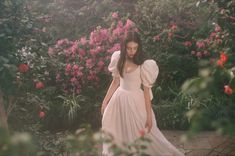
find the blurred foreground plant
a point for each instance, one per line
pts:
(18, 144)
(85, 142)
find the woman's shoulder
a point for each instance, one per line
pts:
(149, 66)
(116, 54)
(113, 63)
(149, 62)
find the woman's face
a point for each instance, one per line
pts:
(131, 49)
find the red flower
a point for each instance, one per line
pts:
(100, 64)
(39, 85)
(228, 90)
(73, 80)
(173, 26)
(217, 37)
(115, 15)
(217, 28)
(23, 68)
(220, 63)
(41, 114)
(212, 35)
(206, 53)
(187, 44)
(219, 41)
(142, 132)
(170, 35)
(157, 38)
(199, 54)
(200, 44)
(223, 57)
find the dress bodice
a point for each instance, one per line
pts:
(145, 74)
(131, 80)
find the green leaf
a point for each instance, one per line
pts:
(2, 35)
(189, 84)
(7, 3)
(3, 59)
(29, 25)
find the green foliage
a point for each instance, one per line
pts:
(212, 106)
(69, 111)
(72, 104)
(28, 28)
(73, 19)
(170, 114)
(175, 62)
(18, 34)
(84, 142)
(9, 34)
(18, 144)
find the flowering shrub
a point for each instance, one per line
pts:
(192, 45)
(17, 33)
(216, 76)
(91, 13)
(85, 60)
(216, 50)
(70, 72)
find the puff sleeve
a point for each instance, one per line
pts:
(148, 73)
(112, 67)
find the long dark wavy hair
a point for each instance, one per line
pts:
(139, 56)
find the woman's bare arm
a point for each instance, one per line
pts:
(148, 107)
(148, 104)
(112, 88)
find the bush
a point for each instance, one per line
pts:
(213, 86)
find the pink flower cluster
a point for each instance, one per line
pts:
(204, 46)
(115, 15)
(86, 60)
(187, 44)
(213, 43)
(170, 32)
(120, 29)
(201, 48)
(98, 36)
(200, 54)
(210, 48)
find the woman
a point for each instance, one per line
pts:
(126, 107)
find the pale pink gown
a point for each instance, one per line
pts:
(125, 114)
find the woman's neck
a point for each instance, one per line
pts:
(129, 60)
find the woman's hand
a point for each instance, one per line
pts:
(103, 106)
(148, 123)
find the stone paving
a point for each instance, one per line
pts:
(203, 144)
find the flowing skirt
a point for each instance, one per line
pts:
(124, 118)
